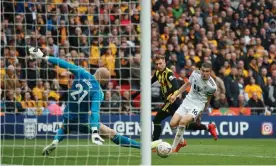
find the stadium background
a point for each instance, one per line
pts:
(238, 37)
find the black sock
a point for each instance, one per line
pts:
(156, 132)
(195, 126)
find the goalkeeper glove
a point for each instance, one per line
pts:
(96, 138)
(36, 53)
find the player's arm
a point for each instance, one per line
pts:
(171, 78)
(180, 91)
(173, 81)
(66, 65)
(208, 102)
(182, 88)
(209, 97)
(57, 61)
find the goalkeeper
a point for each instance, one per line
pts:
(85, 95)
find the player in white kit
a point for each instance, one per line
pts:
(202, 89)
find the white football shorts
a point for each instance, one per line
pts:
(188, 108)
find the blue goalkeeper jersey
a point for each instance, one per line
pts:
(84, 96)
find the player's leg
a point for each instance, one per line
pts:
(122, 140)
(212, 128)
(175, 120)
(162, 114)
(61, 133)
(174, 125)
(107, 132)
(192, 126)
(58, 138)
(173, 108)
(186, 119)
(198, 126)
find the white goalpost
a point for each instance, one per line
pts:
(146, 82)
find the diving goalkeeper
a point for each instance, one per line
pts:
(82, 110)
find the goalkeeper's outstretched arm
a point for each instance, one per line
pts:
(76, 70)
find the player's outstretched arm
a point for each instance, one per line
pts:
(36, 52)
(180, 91)
(183, 88)
(66, 65)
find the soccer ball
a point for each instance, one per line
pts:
(164, 149)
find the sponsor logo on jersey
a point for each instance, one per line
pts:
(30, 128)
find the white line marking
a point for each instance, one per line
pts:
(225, 155)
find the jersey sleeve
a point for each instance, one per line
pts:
(213, 87)
(211, 91)
(171, 78)
(76, 70)
(96, 100)
(192, 77)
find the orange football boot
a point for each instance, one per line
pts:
(179, 146)
(213, 131)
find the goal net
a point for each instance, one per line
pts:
(34, 93)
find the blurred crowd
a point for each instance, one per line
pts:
(237, 37)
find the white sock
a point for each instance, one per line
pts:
(178, 136)
(174, 130)
(55, 142)
(181, 139)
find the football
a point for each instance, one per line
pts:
(164, 149)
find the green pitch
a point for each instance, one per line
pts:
(198, 152)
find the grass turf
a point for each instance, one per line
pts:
(198, 152)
